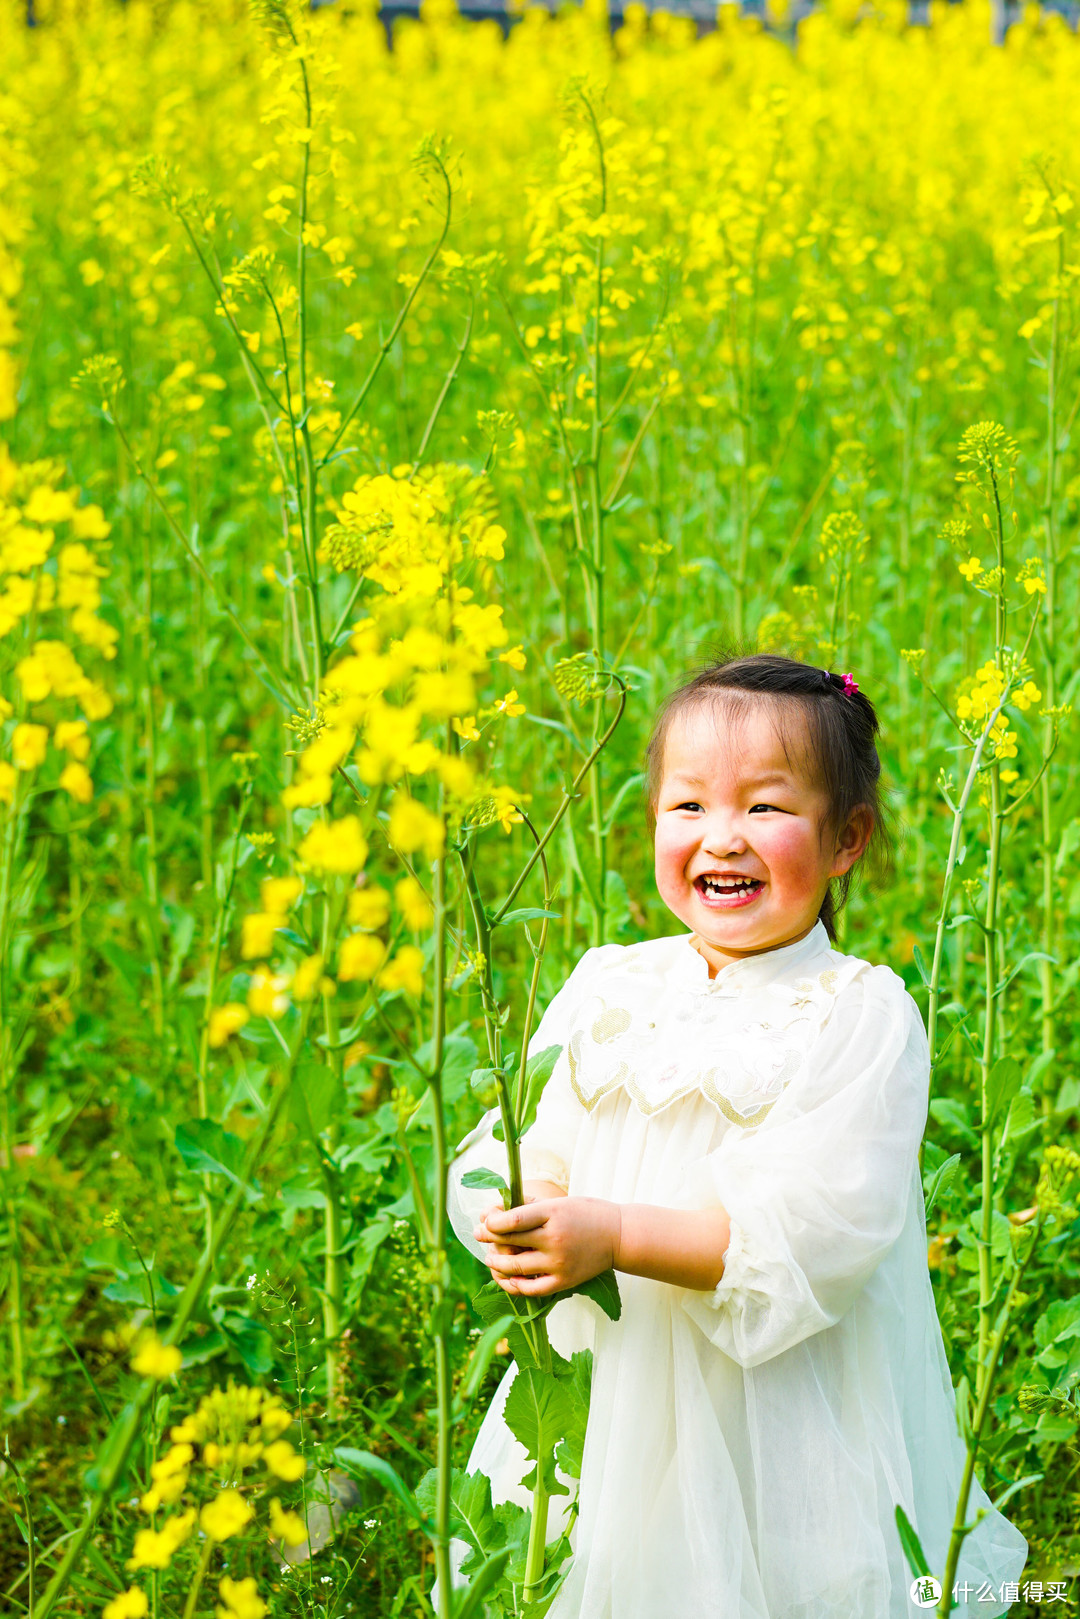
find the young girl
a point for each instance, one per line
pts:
(734, 1124)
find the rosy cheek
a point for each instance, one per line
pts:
(793, 856)
(671, 854)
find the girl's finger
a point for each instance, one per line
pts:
(526, 1286)
(530, 1263)
(507, 1221)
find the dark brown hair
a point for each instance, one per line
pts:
(841, 727)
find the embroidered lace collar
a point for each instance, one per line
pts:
(653, 1024)
(759, 969)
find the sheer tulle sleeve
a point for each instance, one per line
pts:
(818, 1193)
(547, 1148)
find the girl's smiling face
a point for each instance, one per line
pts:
(744, 845)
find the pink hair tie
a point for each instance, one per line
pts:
(850, 685)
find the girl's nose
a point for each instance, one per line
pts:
(722, 838)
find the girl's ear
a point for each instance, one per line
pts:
(852, 839)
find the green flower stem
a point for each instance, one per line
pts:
(534, 1558)
(440, 1317)
(961, 1528)
(991, 953)
(200, 1575)
(950, 872)
(14, 826)
(1047, 989)
(569, 795)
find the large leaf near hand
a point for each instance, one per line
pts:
(578, 1385)
(541, 1410)
(491, 1303)
(603, 1290)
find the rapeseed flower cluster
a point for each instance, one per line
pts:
(402, 707)
(978, 697)
(233, 1446)
(49, 597)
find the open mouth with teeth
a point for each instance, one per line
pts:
(725, 893)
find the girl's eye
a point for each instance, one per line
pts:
(755, 807)
(689, 805)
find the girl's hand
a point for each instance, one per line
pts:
(550, 1244)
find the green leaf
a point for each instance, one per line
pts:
(362, 1461)
(135, 1289)
(540, 1411)
(486, 1576)
(955, 1116)
(963, 1413)
(1014, 1487)
(478, 1179)
(472, 1516)
(1001, 1086)
(116, 1440)
(458, 1062)
(482, 1083)
(481, 1357)
(510, 1531)
(569, 1453)
(314, 1099)
(938, 1183)
(528, 913)
(537, 1073)
(1060, 1321)
(909, 1540)
(1022, 1119)
(604, 1291)
(921, 966)
(1037, 1069)
(208, 1149)
(491, 1305)
(250, 1341)
(363, 1254)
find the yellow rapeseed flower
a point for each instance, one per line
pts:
(154, 1359)
(240, 1599)
(361, 955)
(225, 1021)
(257, 933)
(71, 736)
(335, 846)
(413, 904)
(509, 705)
(267, 995)
(307, 978)
(28, 745)
(405, 971)
(413, 827)
(77, 780)
(286, 1526)
(155, 1548)
(283, 1461)
(130, 1604)
(369, 907)
(226, 1515)
(280, 894)
(7, 782)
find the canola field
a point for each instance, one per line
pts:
(382, 433)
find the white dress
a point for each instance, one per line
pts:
(746, 1448)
